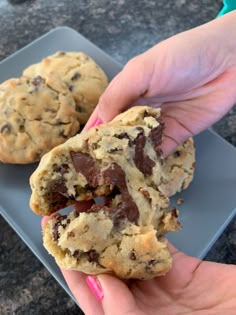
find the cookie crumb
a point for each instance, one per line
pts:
(180, 201)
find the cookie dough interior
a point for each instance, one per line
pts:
(122, 161)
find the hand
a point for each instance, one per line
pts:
(191, 287)
(192, 76)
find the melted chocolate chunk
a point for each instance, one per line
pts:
(85, 164)
(152, 262)
(142, 161)
(57, 200)
(6, 128)
(60, 188)
(58, 195)
(115, 177)
(156, 136)
(76, 76)
(38, 80)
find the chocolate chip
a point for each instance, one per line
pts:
(22, 128)
(59, 218)
(142, 161)
(77, 253)
(86, 165)
(114, 150)
(76, 76)
(61, 53)
(153, 262)
(146, 114)
(55, 233)
(71, 88)
(175, 212)
(159, 154)
(62, 169)
(180, 201)
(124, 135)
(127, 208)
(132, 255)
(156, 136)
(177, 154)
(79, 108)
(93, 255)
(38, 155)
(145, 194)
(71, 234)
(38, 80)
(6, 128)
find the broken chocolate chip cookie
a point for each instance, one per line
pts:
(34, 118)
(77, 72)
(120, 161)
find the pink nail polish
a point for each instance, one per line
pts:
(95, 287)
(97, 122)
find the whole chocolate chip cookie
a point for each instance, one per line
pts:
(74, 71)
(34, 118)
(121, 160)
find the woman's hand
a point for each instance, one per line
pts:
(192, 287)
(192, 76)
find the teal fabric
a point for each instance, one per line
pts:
(229, 5)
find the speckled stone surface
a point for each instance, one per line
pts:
(123, 29)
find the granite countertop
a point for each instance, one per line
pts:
(122, 29)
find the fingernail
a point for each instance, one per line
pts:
(97, 122)
(95, 287)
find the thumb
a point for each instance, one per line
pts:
(115, 296)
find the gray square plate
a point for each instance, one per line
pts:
(209, 202)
